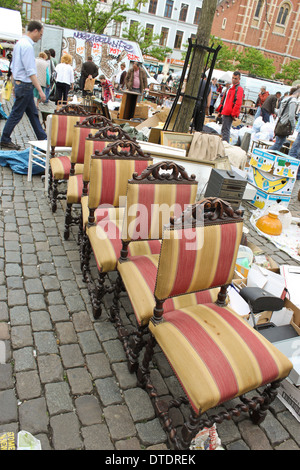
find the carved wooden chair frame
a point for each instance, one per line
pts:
(210, 211)
(126, 150)
(107, 132)
(134, 340)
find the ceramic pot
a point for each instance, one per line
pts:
(270, 224)
(285, 218)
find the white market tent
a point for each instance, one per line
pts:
(10, 25)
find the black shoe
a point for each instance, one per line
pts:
(10, 146)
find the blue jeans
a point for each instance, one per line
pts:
(280, 139)
(24, 103)
(258, 113)
(265, 115)
(295, 151)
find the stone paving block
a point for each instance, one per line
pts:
(253, 436)
(109, 391)
(58, 313)
(66, 333)
(97, 437)
(19, 315)
(80, 381)
(119, 422)
(71, 355)
(33, 416)
(50, 368)
(36, 302)
(58, 398)
(274, 430)
(139, 404)
(151, 432)
(24, 359)
(6, 377)
(82, 321)
(66, 432)
(8, 406)
(41, 321)
(45, 342)
(89, 342)
(28, 385)
(21, 336)
(98, 365)
(89, 410)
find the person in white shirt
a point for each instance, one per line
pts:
(64, 78)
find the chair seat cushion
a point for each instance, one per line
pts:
(74, 192)
(216, 355)
(106, 243)
(103, 211)
(139, 278)
(61, 166)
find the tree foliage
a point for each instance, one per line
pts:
(148, 42)
(253, 62)
(88, 15)
(290, 72)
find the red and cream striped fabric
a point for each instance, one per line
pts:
(139, 278)
(74, 191)
(109, 179)
(61, 166)
(62, 129)
(105, 240)
(216, 355)
(195, 259)
(150, 206)
(78, 143)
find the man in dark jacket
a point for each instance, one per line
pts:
(89, 70)
(269, 106)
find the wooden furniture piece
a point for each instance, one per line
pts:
(215, 354)
(128, 104)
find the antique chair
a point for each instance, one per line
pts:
(109, 174)
(99, 132)
(62, 131)
(215, 354)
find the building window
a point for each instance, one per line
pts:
(283, 14)
(116, 28)
(258, 9)
(178, 39)
(46, 8)
(197, 15)
(224, 23)
(164, 36)
(152, 7)
(168, 8)
(26, 9)
(149, 31)
(183, 12)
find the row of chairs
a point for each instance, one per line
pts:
(174, 257)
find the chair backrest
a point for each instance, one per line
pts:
(62, 129)
(110, 171)
(108, 133)
(161, 191)
(199, 249)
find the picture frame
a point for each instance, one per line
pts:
(177, 140)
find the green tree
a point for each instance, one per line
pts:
(226, 57)
(255, 63)
(148, 42)
(86, 15)
(290, 72)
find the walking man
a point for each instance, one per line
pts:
(136, 79)
(230, 106)
(25, 79)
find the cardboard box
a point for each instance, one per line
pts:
(270, 183)
(262, 199)
(141, 111)
(272, 161)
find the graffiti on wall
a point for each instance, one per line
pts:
(107, 52)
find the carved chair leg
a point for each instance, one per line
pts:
(86, 254)
(68, 221)
(115, 308)
(54, 196)
(80, 231)
(135, 345)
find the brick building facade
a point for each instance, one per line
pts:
(273, 27)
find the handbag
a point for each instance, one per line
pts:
(7, 90)
(283, 130)
(89, 84)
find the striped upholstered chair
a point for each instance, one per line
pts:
(109, 173)
(99, 134)
(62, 132)
(215, 354)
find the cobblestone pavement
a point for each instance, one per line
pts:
(65, 379)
